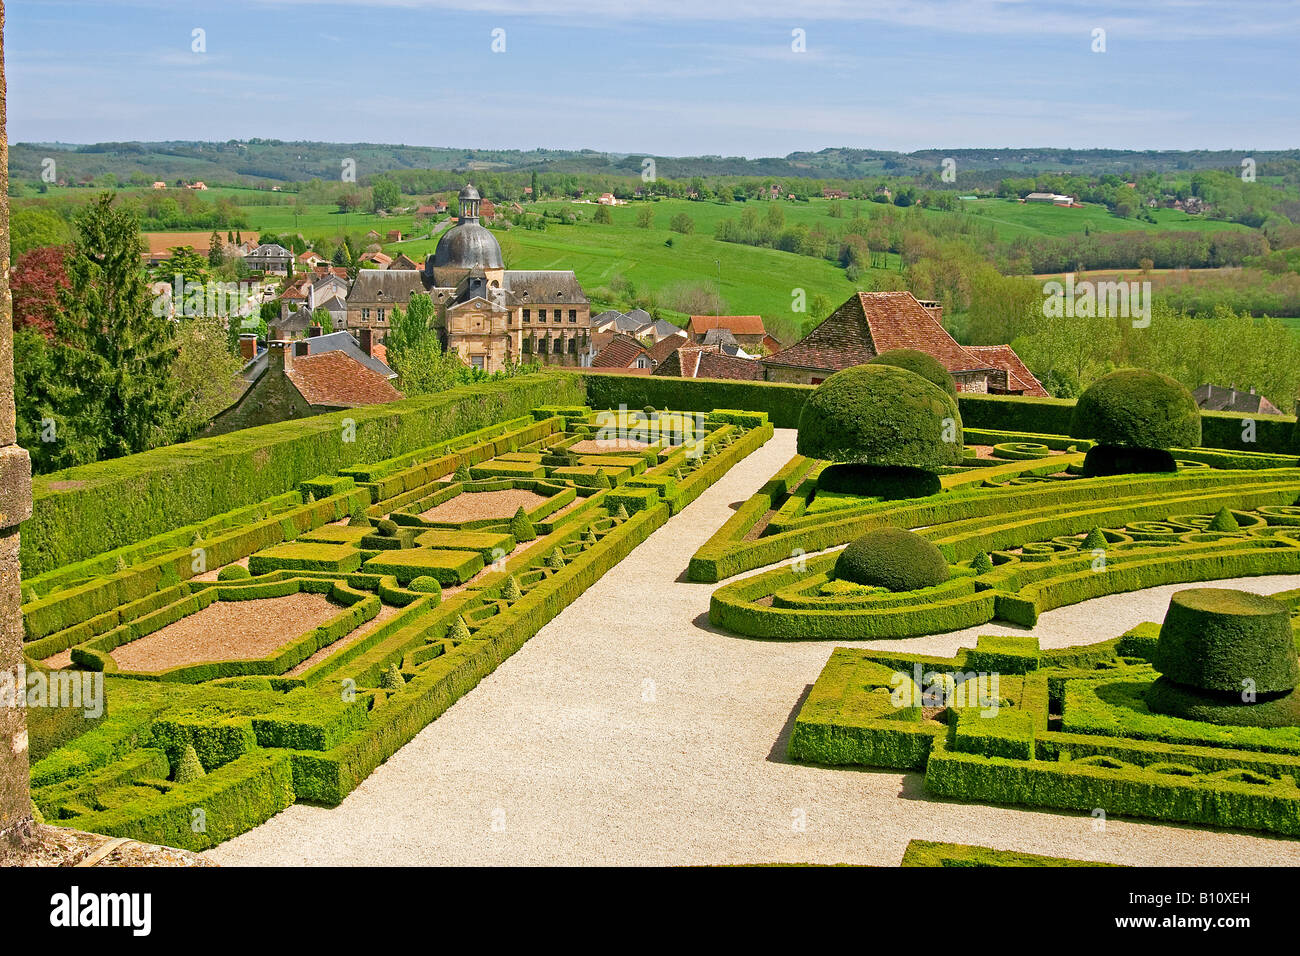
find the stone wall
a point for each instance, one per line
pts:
(15, 506)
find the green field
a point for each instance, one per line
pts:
(1012, 219)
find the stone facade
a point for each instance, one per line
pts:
(15, 507)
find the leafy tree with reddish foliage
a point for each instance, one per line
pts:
(35, 281)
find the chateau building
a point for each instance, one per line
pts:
(493, 316)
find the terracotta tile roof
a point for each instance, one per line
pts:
(337, 380)
(736, 324)
(698, 361)
(621, 352)
(1018, 375)
(666, 347)
(870, 323)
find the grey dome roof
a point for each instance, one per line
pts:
(469, 192)
(467, 245)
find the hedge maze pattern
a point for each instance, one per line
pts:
(432, 573)
(1023, 533)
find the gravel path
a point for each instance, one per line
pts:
(627, 732)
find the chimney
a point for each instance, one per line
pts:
(314, 331)
(279, 356)
(248, 347)
(366, 341)
(301, 348)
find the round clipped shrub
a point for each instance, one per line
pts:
(189, 768)
(425, 585)
(922, 363)
(387, 527)
(1136, 408)
(892, 558)
(981, 563)
(233, 572)
(884, 416)
(1214, 639)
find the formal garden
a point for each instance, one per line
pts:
(277, 612)
(894, 521)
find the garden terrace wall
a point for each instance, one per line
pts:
(92, 508)
(783, 404)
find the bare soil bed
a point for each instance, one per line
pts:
(600, 446)
(478, 505)
(347, 640)
(227, 631)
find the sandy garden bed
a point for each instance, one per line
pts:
(478, 505)
(227, 631)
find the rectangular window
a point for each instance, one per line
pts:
(528, 346)
(573, 315)
(365, 315)
(476, 361)
(528, 315)
(381, 315)
(573, 346)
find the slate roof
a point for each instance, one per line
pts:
(337, 380)
(331, 342)
(870, 323)
(1018, 375)
(736, 324)
(1216, 398)
(385, 285)
(548, 287)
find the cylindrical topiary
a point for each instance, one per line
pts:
(1219, 640)
(884, 416)
(892, 558)
(922, 363)
(1137, 408)
(233, 572)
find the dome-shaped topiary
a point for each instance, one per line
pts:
(922, 363)
(233, 572)
(892, 558)
(425, 584)
(521, 527)
(189, 768)
(981, 563)
(1137, 408)
(1213, 639)
(387, 527)
(884, 416)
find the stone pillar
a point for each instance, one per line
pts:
(15, 506)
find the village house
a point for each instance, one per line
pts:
(374, 295)
(748, 330)
(623, 354)
(870, 323)
(708, 361)
(1216, 398)
(270, 257)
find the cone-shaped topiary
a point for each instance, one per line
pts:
(883, 416)
(620, 512)
(233, 572)
(311, 497)
(119, 564)
(462, 472)
(1223, 521)
(922, 363)
(511, 593)
(521, 527)
(556, 560)
(602, 480)
(892, 558)
(981, 563)
(1093, 541)
(189, 768)
(678, 473)
(1136, 408)
(392, 679)
(387, 527)
(459, 629)
(589, 538)
(425, 584)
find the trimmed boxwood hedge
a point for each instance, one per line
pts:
(1137, 408)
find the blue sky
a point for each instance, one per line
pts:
(672, 77)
